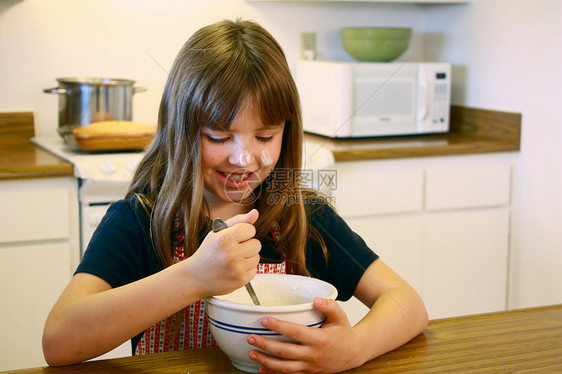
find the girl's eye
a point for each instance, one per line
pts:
(264, 139)
(217, 140)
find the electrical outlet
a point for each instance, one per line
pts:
(308, 45)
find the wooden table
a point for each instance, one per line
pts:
(518, 341)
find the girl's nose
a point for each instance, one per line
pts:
(241, 157)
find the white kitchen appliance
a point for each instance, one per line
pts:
(102, 179)
(373, 99)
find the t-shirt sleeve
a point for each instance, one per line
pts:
(348, 254)
(119, 249)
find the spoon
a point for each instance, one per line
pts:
(218, 225)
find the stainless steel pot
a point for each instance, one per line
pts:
(86, 100)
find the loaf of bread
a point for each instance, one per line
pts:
(113, 135)
(111, 129)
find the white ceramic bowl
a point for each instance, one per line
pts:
(290, 298)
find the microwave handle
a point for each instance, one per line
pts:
(423, 94)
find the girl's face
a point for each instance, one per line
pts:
(237, 161)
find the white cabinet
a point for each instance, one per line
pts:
(32, 277)
(442, 223)
(33, 211)
(38, 240)
(398, 239)
(467, 186)
(360, 192)
(465, 261)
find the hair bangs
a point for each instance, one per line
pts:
(222, 102)
(275, 107)
(230, 93)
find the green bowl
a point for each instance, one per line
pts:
(380, 44)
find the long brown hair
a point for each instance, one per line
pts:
(214, 74)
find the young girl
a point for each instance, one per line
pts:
(229, 139)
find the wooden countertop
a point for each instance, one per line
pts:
(522, 341)
(472, 131)
(19, 158)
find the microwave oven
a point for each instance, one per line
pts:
(372, 99)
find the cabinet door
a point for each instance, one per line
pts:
(363, 191)
(461, 187)
(398, 240)
(32, 276)
(465, 261)
(36, 209)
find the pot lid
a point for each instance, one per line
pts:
(96, 81)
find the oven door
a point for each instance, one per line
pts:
(95, 198)
(91, 215)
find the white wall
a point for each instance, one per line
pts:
(506, 56)
(138, 39)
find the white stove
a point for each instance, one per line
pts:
(106, 167)
(102, 179)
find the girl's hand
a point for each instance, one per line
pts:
(227, 260)
(329, 349)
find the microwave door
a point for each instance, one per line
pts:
(385, 106)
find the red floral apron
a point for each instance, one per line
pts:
(194, 329)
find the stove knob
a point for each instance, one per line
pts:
(132, 165)
(107, 167)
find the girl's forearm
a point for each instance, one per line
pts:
(396, 317)
(81, 327)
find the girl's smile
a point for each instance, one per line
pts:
(238, 179)
(237, 160)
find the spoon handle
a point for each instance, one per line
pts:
(218, 225)
(252, 293)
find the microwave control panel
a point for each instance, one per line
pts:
(441, 97)
(436, 79)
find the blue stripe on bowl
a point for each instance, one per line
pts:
(216, 322)
(244, 332)
(250, 330)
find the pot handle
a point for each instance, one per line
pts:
(55, 90)
(138, 89)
